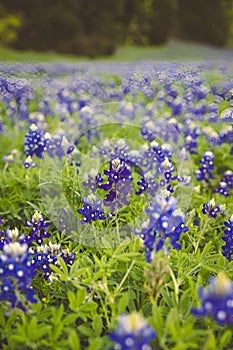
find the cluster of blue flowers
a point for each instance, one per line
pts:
(204, 173)
(226, 184)
(37, 143)
(151, 163)
(92, 209)
(165, 222)
(22, 256)
(217, 300)
(16, 270)
(132, 333)
(227, 249)
(213, 210)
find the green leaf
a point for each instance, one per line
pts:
(72, 300)
(69, 319)
(97, 325)
(90, 306)
(225, 338)
(157, 321)
(81, 296)
(2, 320)
(95, 344)
(123, 303)
(86, 330)
(73, 340)
(63, 265)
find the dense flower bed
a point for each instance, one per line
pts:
(116, 206)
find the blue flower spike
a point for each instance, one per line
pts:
(133, 333)
(227, 249)
(217, 300)
(213, 210)
(16, 272)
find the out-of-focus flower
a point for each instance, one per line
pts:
(16, 272)
(165, 222)
(226, 184)
(133, 333)
(205, 171)
(217, 300)
(28, 163)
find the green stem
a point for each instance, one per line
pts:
(125, 276)
(196, 245)
(116, 219)
(176, 284)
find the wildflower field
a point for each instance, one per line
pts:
(116, 208)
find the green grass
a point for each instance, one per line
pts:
(172, 51)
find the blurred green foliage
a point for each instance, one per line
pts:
(93, 28)
(9, 25)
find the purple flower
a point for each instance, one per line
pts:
(28, 163)
(227, 249)
(38, 233)
(165, 222)
(45, 255)
(133, 333)
(217, 300)
(92, 209)
(16, 272)
(212, 210)
(226, 184)
(34, 143)
(205, 171)
(119, 171)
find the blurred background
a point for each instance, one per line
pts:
(98, 27)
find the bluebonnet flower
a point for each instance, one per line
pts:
(16, 272)
(148, 183)
(205, 171)
(34, 143)
(10, 157)
(212, 135)
(43, 256)
(148, 129)
(191, 128)
(212, 210)
(167, 170)
(118, 196)
(227, 249)
(217, 300)
(28, 163)
(57, 145)
(118, 171)
(1, 126)
(94, 180)
(11, 236)
(86, 116)
(67, 256)
(37, 142)
(37, 233)
(118, 183)
(92, 209)
(133, 333)
(226, 135)
(165, 222)
(190, 144)
(226, 184)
